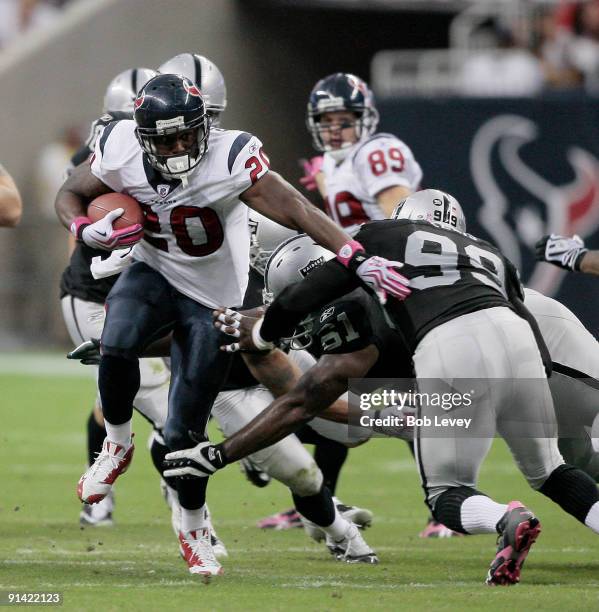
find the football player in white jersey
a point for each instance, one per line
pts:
(82, 296)
(362, 174)
(194, 257)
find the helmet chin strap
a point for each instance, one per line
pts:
(177, 167)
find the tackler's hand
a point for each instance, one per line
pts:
(242, 327)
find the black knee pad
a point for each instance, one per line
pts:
(448, 507)
(177, 438)
(572, 489)
(158, 452)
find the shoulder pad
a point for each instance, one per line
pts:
(374, 137)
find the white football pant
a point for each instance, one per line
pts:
(85, 320)
(494, 343)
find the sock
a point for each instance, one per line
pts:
(329, 455)
(119, 383)
(192, 519)
(120, 434)
(318, 508)
(338, 528)
(448, 507)
(480, 514)
(95, 438)
(592, 518)
(573, 490)
(192, 492)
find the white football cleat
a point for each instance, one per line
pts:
(352, 548)
(218, 546)
(98, 515)
(110, 463)
(362, 517)
(197, 551)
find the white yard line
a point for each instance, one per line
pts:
(43, 364)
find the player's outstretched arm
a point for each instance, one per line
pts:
(274, 370)
(11, 206)
(276, 199)
(589, 264)
(316, 390)
(566, 252)
(320, 287)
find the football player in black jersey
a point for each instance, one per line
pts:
(464, 320)
(330, 447)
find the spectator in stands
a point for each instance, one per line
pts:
(551, 43)
(509, 68)
(20, 16)
(11, 206)
(574, 46)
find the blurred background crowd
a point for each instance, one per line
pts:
(497, 98)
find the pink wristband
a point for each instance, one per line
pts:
(348, 250)
(78, 225)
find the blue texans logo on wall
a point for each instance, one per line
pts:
(520, 168)
(527, 203)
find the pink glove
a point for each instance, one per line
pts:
(101, 234)
(380, 274)
(311, 168)
(376, 272)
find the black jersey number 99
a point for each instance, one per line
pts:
(440, 252)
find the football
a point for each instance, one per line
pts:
(103, 204)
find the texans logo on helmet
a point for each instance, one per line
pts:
(192, 90)
(358, 84)
(139, 100)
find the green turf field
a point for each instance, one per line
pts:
(135, 565)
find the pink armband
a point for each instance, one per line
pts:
(78, 225)
(348, 250)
